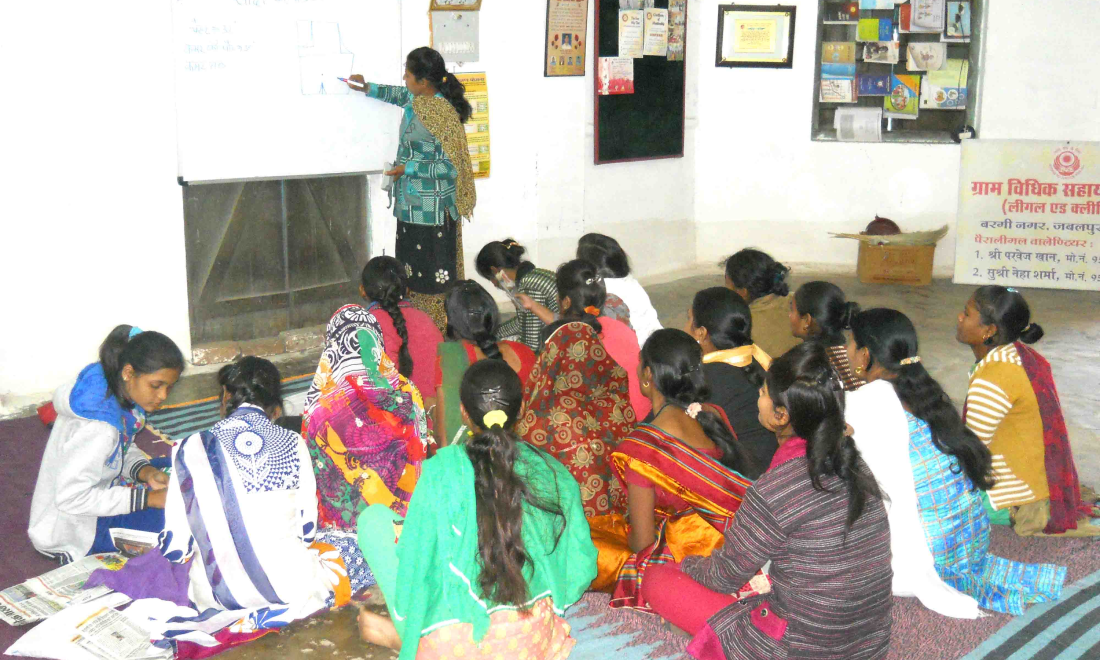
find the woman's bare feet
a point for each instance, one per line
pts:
(377, 629)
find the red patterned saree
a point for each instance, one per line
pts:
(710, 494)
(577, 408)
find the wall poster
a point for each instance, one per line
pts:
(566, 32)
(477, 127)
(1029, 214)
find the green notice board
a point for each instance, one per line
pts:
(649, 123)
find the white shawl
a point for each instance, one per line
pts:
(882, 437)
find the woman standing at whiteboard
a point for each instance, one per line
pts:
(434, 185)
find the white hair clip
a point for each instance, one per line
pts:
(693, 410)
(910, 360)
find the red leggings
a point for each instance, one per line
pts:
(679, 599)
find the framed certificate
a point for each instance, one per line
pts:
(444, 5)
(755, 36)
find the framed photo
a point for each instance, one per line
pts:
(755, 36)
(462, 5)
(566, 31)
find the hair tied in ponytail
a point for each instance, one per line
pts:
(694, 409)
(134, 332)
(910, 360)
(1026, 328)
(494, 418)
(593, 280)
(594, 311)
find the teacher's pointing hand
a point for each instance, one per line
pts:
(361, 85)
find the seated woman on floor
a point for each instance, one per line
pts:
(501, 262)
(408, 334)
(1013, 406)
(472, 322)
(242, 509)
(581, 296)
(880, 429)
(495, 546)
(577, 408)
(92, 476)
(950, 464)
(733, 367)
(683, 474)
(817, 516)
(364, 423)
(613, 265)
(762, 282)
(820, 313)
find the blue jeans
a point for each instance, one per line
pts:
(146, 520)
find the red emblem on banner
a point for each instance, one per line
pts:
(1067, 162)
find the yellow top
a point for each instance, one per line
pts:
(1002, 410)
(771, 326)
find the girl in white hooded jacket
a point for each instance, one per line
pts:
(92, 477)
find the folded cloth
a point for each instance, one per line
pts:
(146, 576)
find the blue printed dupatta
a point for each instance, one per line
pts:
(957, 530)
(242, 508)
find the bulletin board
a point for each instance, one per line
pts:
(649, 123)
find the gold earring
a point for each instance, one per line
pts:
(858, 370)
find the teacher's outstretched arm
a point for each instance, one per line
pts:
(397, 95)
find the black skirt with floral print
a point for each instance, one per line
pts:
(430, 255)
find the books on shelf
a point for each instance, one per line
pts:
(903, 100)
(946, 89)
(839, 13)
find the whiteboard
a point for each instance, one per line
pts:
(257, 94)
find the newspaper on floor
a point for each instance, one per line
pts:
(42, 596)
(109, 635)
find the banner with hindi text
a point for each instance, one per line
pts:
(1029, 214)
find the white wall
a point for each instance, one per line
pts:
(761, 181)
(92, 216)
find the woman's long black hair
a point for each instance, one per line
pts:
(889, 336)
(1007, 309)
(803, 382)
(500, 492)
(579, 281)
(676, 362)
(427, 64)
(830, 310)
(252, 380)
(384, 283)
(472, 315)
(145, 352)
(728, 321)
(605, 253)
(757, 273)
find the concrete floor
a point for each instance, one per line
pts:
(1071, 320)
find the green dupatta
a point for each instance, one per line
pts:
(453, 363)
(438, 559)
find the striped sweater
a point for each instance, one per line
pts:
(830, 596)
(1002, 410)
(525, 327)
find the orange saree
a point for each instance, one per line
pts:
(697, 499)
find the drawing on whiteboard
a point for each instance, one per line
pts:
(322, 57)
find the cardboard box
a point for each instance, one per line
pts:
(895, 264)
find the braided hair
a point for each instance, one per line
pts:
(581, 283)
(384, 283)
